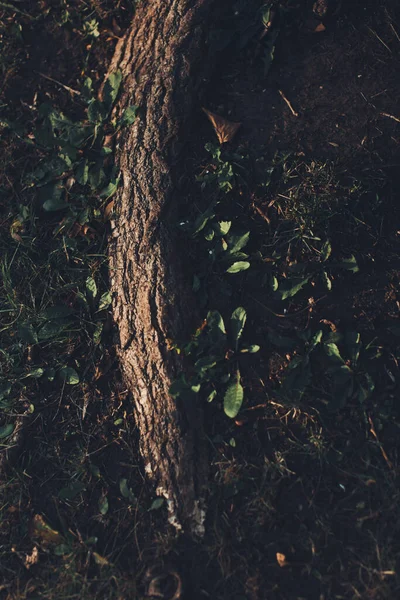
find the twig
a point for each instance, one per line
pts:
(380, 39)
(390, 117)
(385, 456)
(66, 87)
(296, 114)
(17, 10)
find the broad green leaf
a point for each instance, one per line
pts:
(35, 373)
(297, 379)
(52, 329)
(96, 177)
(87, 89)
(111, 88)
(238, 266)
(50, 374)
(69, 375)
(53, 197)
(237, 242)
(238, 320)
(105, 301)
(326, 251)
(27, 333)
(110, 189)
(290, 287)
(57, 312)
(6, 431)
(91, 288)
(96, 111)
(222, 227)
(350, 264)
(233, 398)
(333, 352)
(128, 116)
(103, 505)
(72, 491)
(215, 322)
(156, 504)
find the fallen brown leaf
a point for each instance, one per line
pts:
(281, 559)
(319, 28)
(224, 129)
(108, 210)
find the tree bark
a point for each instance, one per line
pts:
(160, 61)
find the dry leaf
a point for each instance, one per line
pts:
(100, 560)
(108, 210)
(31, 559)
(281, 559)
(319, 28)
(44, 533)
(224, 129)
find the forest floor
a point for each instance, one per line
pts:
(297, 221)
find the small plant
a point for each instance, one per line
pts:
(216, 352)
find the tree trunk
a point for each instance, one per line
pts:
(152, 302)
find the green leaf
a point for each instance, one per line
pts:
(6, 431)
(326, 280)
(110, 189)
(27, 333)
(352, 340)
(222, 227)
(215, 322)
(211, 396)
(82, 172)
(250, 349)
(333, 352)
(69, 375)
(111, 88)
(290, 287)
(87, 89)
(35, 373)
(326, 251)
(128, 116)
(52, 196)
(237, 242)
(57, 312)
(96, 111)
(233, 398)
(205, 363)
(105, 301)
(91, 288)
(156, 504)
(274, 284)
(316, 339)
(238, 266)
(238, 320)
(123, 488)
(103, 505)
(52, 329)
(5, 390)
(72, 491)
(349, 264)
(62, 550)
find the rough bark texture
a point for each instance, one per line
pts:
(159, 58)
